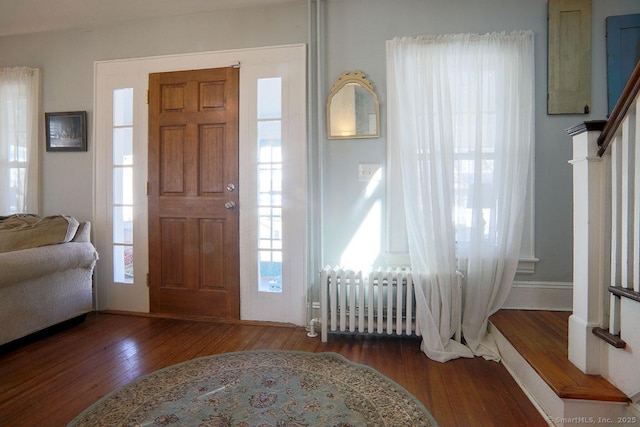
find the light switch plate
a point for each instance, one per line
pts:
(369, 172)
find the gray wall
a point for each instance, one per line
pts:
(355, 35)
(67, 58)
(355, 39)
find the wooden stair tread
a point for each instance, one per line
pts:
(541, 337)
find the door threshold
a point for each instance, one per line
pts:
(199, 318)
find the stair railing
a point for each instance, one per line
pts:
(606, 218)
(618, 139)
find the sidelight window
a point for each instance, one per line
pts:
(122, 201)
(269, 133)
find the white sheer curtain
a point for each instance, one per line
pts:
(19, 111)
(460, 120)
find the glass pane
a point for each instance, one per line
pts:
(270, 150)
(270, 133)
(270, 178)
(264, 199)
(17, 152)
(123, 224)
(276, 229)
(123, 107)
(264, 211)
(264, 244)
(17, 187)
(265, 231)
(123, 186)
(276, 178)
(270, 98)
(123, 146)
(123, 264)
(270, 273)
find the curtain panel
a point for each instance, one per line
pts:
(19, 112)
(460, 120)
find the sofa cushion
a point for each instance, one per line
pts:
(23, 231)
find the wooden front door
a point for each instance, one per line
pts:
(193, 193)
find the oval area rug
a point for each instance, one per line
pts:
(260, 388)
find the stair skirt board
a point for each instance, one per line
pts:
(557, 411)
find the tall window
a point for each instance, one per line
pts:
(461, 110)
(19, 108)
(467, 112)
(475, 133)
(122, 185)
(270, 184)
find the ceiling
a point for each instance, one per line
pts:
(31, 16)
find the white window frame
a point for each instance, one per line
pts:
(290, 304)
(397, 253)
(112, 294)
(28, 132)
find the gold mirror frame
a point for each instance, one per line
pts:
(352, 108)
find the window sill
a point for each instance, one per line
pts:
(525, 265)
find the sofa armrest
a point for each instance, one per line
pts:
(27, 264)
(84, 233)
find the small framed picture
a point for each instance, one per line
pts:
(66, 131)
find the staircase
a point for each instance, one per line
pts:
(583, 367)
(533, 345)
(604, 333)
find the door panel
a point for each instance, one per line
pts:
(172, 155)
(212, 253)
(211, 159)
(569, 57)
(193, 157)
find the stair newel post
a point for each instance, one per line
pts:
(590, 268)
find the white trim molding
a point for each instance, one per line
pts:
(556, 296)
(527, 265)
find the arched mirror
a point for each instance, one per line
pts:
(352, 108)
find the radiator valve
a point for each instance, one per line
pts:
(311, 329)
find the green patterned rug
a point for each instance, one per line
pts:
(260, 388)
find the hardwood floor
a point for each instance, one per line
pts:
(49, 380)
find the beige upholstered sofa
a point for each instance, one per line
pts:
(46, 268)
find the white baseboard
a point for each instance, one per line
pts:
(557, 296)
